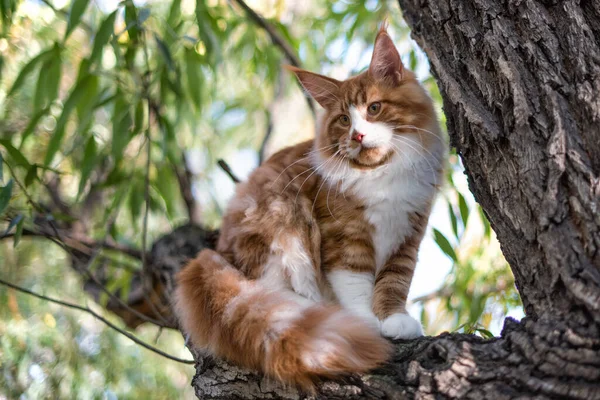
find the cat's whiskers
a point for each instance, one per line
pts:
(437, 137)
(338, 165)
(403, 156)
(433, 171)
(400, 139)
(306, 155)
(312, 173)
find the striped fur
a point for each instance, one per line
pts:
(330, 224)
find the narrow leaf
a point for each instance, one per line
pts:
(453, 220)
(106, 30)
(15, 154)
(75, 13)
(18, 233)
(5, 193)
(122, 124)
(12, 224)
(1, 168)
(28, 69)
(88, 163)
(165, 52)
(444, 244)
(31, 175)
(48, 81)
(464, 209)
(84, 89)
(193, 64)
(32, 125)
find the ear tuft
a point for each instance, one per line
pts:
(326, 91)
(385, 63)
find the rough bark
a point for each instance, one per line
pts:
(521, 87)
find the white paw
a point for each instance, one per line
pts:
(401, 326)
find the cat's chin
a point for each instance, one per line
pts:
(371, 157)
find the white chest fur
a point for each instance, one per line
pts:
(391, 194)
(390, 199)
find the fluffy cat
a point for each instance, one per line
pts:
(318, 247)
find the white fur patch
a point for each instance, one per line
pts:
(377, 134)
(354, 291)
(289, 260)
(401, 326)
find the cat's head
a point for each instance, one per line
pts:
(374, 118)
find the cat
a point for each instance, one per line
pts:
(318, 247)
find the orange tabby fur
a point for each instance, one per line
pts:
(335, 221)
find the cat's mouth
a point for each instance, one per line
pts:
(362, 156)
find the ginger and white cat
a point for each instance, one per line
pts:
(318, 248)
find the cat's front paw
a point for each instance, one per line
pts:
(401, 326)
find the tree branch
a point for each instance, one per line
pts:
(98, 317)
(227, 169)
(277, 40)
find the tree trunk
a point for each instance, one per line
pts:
(520, 81)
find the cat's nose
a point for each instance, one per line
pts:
(358, 137)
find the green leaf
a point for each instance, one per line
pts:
(444, 244)
(136, 199)
(75, 13)
(1, 168)
(5, 194)
(166, 186)
(487, 229)
(193, 64)
(484, 333)
(131, 21)
(453, 220)
(122, 124)
(32, 125)
(464, 209)
(15, 154)
(106, 30)
(28, 69)
(12, 224)
(165, 52)
(18, 233)
(48, 82)
(87, 165)
(83, 91)
(31, 175)
(174, 14)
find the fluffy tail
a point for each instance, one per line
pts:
(276, 332)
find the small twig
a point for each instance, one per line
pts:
(81, 243)
(277, 40)
(225, 167)
(184, 179)
(278, 94)
(53, 190)
(97, 316)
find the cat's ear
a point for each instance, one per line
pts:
(326, 91)
(385, 63)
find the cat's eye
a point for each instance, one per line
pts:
(345, 120)
(374, 108)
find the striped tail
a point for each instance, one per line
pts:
(276, 332)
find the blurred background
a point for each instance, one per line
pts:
(117, 97)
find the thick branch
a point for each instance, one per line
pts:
(448, 366)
